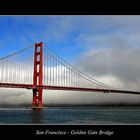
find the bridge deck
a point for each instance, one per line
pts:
(47, 87)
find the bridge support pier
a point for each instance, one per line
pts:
(37, 98)
(37, 77)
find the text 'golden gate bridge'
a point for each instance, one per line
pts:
(44, 69)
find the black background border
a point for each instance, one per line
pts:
(25, 131)
(69, 7)
(96, 7)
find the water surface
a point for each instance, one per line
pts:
(71, 115)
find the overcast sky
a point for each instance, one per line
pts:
(106, 47)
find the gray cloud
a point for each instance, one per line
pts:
(112, 50)
(121, 62)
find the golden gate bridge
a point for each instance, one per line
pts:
(38, 68)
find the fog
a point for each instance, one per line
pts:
(23, 98)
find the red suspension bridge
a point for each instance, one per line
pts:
(43, 69)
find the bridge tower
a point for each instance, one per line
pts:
(37, 76)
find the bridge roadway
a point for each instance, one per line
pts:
(47, 87)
